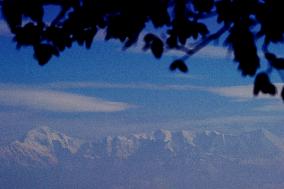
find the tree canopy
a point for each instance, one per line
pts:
(243, 24)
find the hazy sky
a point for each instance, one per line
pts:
(106, 90)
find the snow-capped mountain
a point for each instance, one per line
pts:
(41, 147)
(161, 159)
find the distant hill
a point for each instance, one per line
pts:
(161, 159)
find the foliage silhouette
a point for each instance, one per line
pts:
(185, 26)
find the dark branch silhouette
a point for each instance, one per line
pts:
(243, 23)
(203, 42)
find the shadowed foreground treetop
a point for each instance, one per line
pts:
(186, 26)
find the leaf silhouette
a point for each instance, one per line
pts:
(89, 36)
(182, 25)
(157, 48)
(263, 84)
(44, 52)
(277, 63)
(155, 44)
(180, 65)
(242, 42)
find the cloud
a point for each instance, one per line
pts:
(209, 51)
(4, 29)
(56, 101)
(214, 52)
(240, 93)
(240, 120)
(187, 76)
(271, 108)
(101, 85)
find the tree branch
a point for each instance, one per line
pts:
(203, 42)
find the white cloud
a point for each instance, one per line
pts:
(55, 101)
(239, 92)
(242, 92)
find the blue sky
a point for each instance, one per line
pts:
(106, 90)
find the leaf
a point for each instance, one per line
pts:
(89, 36)
(263, 84)
(44, 52)
(12, 13)
(277, 63)
(29, 34)
(241, 40)
(180, 65)
(35, 11)
(202, 29)
(155, 44)
(148, 40)
(172, 41)
(157, 48)
(270, 56)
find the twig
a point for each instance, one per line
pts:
(203, 42)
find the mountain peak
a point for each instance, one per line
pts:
(46, 137)
(162, 135)
(41, 146)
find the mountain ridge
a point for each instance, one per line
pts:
(48, 159)
(43, 144)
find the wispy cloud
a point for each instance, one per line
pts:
(187, 76)
(50, 98)
(55, 101)
(146, 86)
(209, 51)
(239, 120)
(240, 93)
(214, 52)
(271, 108)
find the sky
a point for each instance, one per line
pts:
(107, 90)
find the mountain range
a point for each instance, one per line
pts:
(162, 159)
